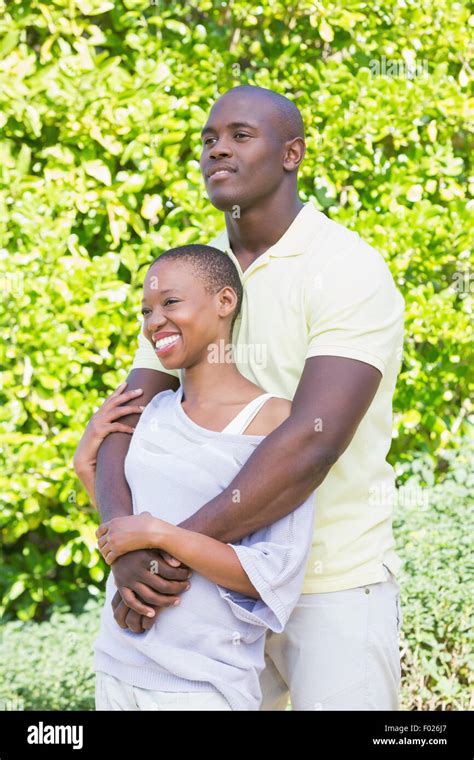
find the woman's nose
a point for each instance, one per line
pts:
(156, 322)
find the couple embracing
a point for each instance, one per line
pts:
(244, 503)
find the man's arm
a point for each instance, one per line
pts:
(332, 397)
(113, 495)
(141, 592)
(215, 560)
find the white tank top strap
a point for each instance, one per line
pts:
(246, 415)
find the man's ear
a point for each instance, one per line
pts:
(294, 154)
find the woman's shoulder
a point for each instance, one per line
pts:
(274, 411)
(163, 397)
(161, 401)
(160, 409)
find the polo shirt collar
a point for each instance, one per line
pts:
(293, 242)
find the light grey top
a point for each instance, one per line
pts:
(214, 639)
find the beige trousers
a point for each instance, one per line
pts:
(339, 651)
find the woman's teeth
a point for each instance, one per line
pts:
(166, 341)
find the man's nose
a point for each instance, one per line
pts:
(220, 149)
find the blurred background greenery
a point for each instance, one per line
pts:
(101, 104)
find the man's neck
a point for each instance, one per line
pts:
(260, 227)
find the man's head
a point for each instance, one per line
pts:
(192, 297)
(256, 137)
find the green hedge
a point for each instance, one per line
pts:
(434, 528)
(49, 665)
(101, 104)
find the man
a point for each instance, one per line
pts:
(321, 325)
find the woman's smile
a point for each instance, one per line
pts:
(164, 344)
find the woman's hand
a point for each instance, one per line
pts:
(101, 424)
(127, 534)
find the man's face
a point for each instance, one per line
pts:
(242, 152)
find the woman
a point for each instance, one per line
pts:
(207, 651)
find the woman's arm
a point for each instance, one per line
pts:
(87, 477)
(218, 562)
(101, 424)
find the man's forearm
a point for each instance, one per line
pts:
(112, 493)
(282, 472)
(213, 559)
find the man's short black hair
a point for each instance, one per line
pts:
(215, 268)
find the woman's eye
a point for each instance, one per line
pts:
(171, 300)
(145, 312)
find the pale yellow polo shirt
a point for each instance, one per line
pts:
(321, 290)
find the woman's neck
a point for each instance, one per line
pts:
(212, 382)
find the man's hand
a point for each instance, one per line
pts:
(131, 620)
(146, 582)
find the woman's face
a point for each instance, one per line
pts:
(182, 319)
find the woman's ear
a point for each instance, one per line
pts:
(227, 301)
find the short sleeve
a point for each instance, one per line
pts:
(353, 308)
(146, 358)
(274, 559)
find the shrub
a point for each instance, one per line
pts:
(434, 536)
(47, 666)
(101, 104)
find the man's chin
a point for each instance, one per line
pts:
(224, 202)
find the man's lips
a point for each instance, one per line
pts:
(219, 172)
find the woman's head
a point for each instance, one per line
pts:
(192, 297)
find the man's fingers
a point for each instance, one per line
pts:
(159, 566)
(149, 596)
(128, 619)
(120, 613)
(164, 600)
(134, 622)
(116, 600)
(147, 623)
(132, 601)
(157, 584)
(170, 560)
